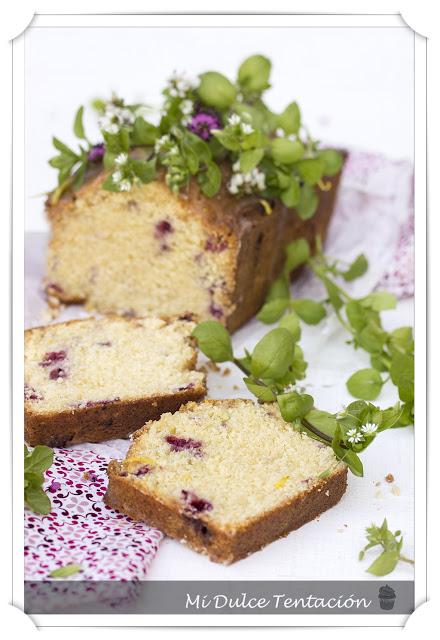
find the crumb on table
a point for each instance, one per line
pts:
(389, 477)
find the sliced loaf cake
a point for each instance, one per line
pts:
(92, 380)
(225, 476)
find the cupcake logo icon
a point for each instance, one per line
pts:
(387, 597)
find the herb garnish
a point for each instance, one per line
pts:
(203, 124)
(391, 353)
(66, 571)
(36, 462)
(391, 544)
(272, 370)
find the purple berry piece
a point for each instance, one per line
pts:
(51, 357)
(194, 504)
(184, 444)
(162, 228)
(57, 373)
(31, 394)
(216, 245)
(142, 471)
(190, 385)
(215, 310)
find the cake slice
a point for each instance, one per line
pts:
(92, 380)
(225, 476)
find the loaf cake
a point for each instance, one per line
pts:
(92, 380)
(226, 477)
(191, 214)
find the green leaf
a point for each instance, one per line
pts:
(250, 159)
(357, 268)
(273, 354)
(384, 564)
(144, 133)
(286, 151)
(332, 162)
(309, 311)
(272, 311)
(291, 195)
(378, 363)
(210, 180)
(254, 73)
(333, 293)
(294, 405)
(291, 322)
(110, 185)
(214, 341)
(391, 417)
(299, 365)
(39, 460)
(372, 338)
(297, 253)
(64, 148)
(322, 420)
(357, 315)
(78, 127)
(260, 390)
(66, 571)
(308, 202)
(365, 384)
(350, 458)
(215, 90)
(310, 170)
(402, 375)
(290, 119)
(379, 301)
(144, 169)
(278, 289)
(228, 139)
(401, 340)
(37, 500)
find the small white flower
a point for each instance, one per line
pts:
(246, 128)
(161, 142)
(117, 177)
(236, 166)
(125, 185)
(174, 151)
(354, 436)
(234, 119)
(144, 112)
(369, 428)
(127, 116)
(289, 388)
(187, 107)
(121, 159)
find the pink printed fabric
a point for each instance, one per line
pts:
(81, 529)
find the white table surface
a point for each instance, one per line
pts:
(328, 547)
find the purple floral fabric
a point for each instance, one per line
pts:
(81, 529)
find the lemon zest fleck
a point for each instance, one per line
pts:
(282, 482)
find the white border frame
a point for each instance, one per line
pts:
(228, 20)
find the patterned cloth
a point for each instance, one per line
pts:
(81, 529)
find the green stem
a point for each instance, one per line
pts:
(316, 431)
(405, 559)
(242, 368)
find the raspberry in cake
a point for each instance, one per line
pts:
(92, 380)
(225, 476)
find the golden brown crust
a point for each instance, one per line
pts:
(205, 537)
(255, 240)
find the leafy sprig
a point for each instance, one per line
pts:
(271, 372)
(203, 124)
(391, 353)
(391, 544)
(36, 462)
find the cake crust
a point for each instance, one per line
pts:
(102, 420)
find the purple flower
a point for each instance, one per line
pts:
(203, 123)
(96, 153)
